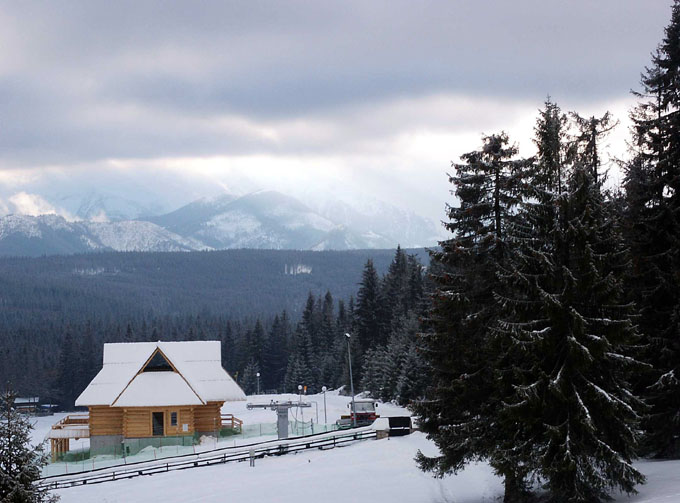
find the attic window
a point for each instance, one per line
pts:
(158, 363)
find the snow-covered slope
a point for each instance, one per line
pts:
(139, 236)
(264, 219)
(52, 234)
(379, 471)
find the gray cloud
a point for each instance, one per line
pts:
(265, 61)
(347, 85)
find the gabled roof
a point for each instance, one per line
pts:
(198, 377)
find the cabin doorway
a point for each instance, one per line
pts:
(157, 424)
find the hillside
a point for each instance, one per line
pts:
(234, 283)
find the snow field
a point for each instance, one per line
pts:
(375, 470)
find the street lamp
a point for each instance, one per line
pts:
(302, 411)
(325, 418)
(351, 380)
(258, 383)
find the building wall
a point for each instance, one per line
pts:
(106, 421)
(136, 422)
(207, 418)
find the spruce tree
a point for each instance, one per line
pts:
(249, 378)
(299, 370)
(20, 463)
(652, 187)
(460, 409)
(564, 339)
(366, 312)
(275, 357)
(566, 333)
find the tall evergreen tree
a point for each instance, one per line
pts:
(275, 357)
(368, 329)
(461, 405)
(566, 332)
(653, 228)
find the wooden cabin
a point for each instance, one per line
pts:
(150, 390)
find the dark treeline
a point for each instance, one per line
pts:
(56, 357)
(554, 334)
(234, 283)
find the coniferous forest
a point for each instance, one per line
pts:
(553, 336)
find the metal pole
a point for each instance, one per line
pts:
(351, 380)
(258, 383)
(302, 413)
(325, 419)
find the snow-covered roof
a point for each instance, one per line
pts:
(199, 379)
(155, 389)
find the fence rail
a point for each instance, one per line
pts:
(231, 421)
(209, 458)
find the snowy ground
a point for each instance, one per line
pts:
(375, 470)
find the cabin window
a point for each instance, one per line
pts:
(158, 364)
(173, 419)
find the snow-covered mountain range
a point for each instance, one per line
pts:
(264, 219)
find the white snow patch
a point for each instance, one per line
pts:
(296, 269)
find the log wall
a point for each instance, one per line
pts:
(207, 417)
(136, 422)
(106, 421)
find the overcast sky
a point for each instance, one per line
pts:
(170, 101)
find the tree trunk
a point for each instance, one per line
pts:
(515, 491)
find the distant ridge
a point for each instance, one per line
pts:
(259, 220)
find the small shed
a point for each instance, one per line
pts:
(148, 390)
(27, 405)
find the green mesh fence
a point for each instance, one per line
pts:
(149, 449)
(303, 428)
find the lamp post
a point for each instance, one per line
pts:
(302, 412)
(258, 383)
(325, 418)
(351, 380)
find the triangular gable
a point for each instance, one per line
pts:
(156, 360)
(158, 363)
